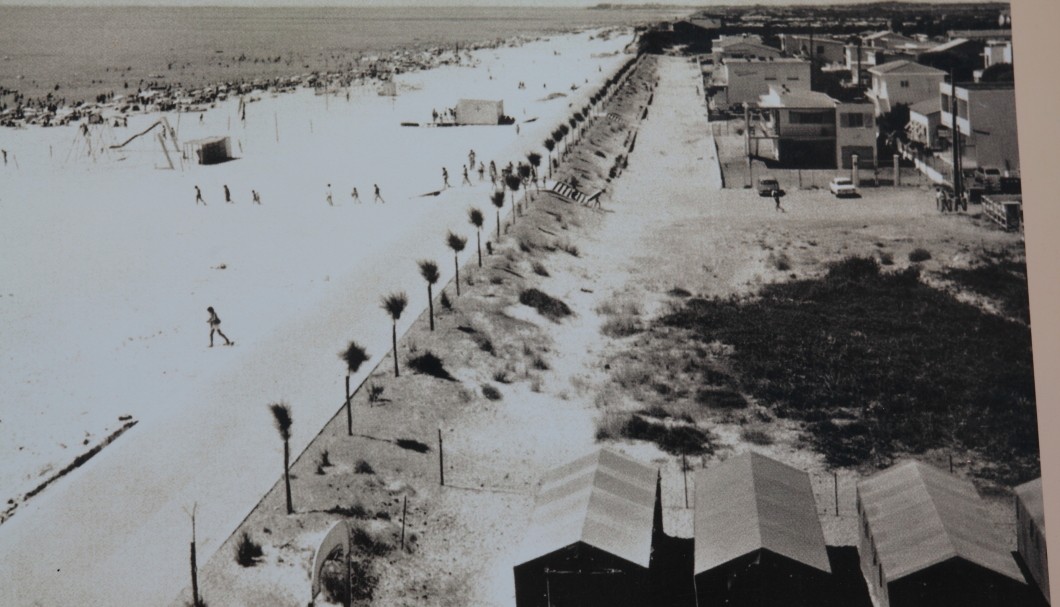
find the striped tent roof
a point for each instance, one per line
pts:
(751, 502)
(605, 500)
(920, 516)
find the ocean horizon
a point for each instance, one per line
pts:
(76, 53)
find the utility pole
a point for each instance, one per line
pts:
(955, 128)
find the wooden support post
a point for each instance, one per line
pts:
(441, 460)
(404, 511)
(276, 124)
(349, 412)
(196, 600)
(835, 483)
(951, 463)
(684, 472)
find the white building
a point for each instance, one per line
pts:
(741, 81)
(903, 82)
(986, 119)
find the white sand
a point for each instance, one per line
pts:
(108, 267)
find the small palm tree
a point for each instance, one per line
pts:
(550, 144)
(524, 172)
(573, 127)
(557, 135)
(456, 243)
(281, 414)
(394, 304)
(535, 161)
(429, 271)
(563, 129)
(513, 181)
(475, 217)
(354, 355)
(497, 198)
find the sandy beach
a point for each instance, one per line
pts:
(137, 263)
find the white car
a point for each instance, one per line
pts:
(842, 186)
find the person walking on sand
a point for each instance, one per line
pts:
(378, 196)
(255, 197)
(445, 177)
(466, 180)
(198, 197)
(331, 203)
(228, 194)
(481, 172)
(215, 327)
(355, 196)
(471, 159)
(776, 200)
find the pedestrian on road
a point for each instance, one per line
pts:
(328, 197)
(215, 327)
(198, 197)
(378, 196)
(776, 200)
(228, 194)
(355, 196)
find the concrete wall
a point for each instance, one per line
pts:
(889, 90)
(854, 139)
(986, 118)
(748, 80)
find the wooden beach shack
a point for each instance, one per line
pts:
(1030, 533)
(758, 540)
(479, 111)
(211, 150)
(591, 536)
(927, 540)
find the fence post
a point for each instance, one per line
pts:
(835, 483)
(441, 460)
(684, 472)
(404, 511)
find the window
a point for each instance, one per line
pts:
(820, 49)
(904, 84)
(770, 78)
(946, 103)
(809, 117)
(851, 120)
(793, 77)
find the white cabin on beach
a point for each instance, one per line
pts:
(479, 111)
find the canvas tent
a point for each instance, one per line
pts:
(758, 541)
(211, 150)
(927, 540)
(1030, 532)
(591, 535)
(479, 111)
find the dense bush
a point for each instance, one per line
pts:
(545, 304)
(491, 392)
(918, 255)
(248, 552)
(675, 439)
(429, 364)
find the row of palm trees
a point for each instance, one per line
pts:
(355, 355)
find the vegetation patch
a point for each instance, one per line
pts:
(545, 304)
(412, 445)
(429, 364)
(1000, 279)
(906, 367)
(672, 438)
(248, 552)
(355, 511)
(918, 254)
(491, 392)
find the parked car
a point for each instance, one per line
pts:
(990, 177)
(766, 185)
(842, 186)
